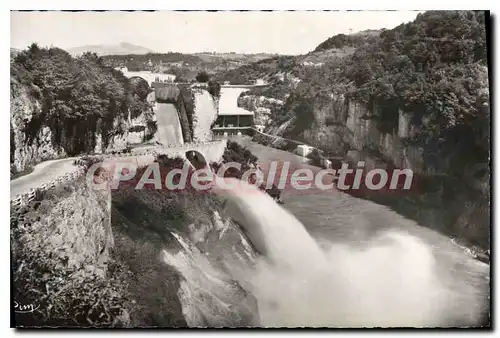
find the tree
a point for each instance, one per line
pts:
(79, 96)
(202, 77)
(214, 88)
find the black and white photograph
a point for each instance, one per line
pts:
(250, 169)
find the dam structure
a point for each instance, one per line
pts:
(166, 97)
(231, 119)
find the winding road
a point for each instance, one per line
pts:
(340, 218)
(42, 173)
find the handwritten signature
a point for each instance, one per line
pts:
(25, 308)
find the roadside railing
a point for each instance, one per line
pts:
(22, 199)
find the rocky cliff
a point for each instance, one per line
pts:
(265, 108)
(61, 253)
(66, 106)
(30, 148)
(415, 97)
(129, 131)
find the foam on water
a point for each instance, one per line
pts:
(390, 281)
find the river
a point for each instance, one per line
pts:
(328, 260)
(364, 265)
(335, 217)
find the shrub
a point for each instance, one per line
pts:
(214, 89)
(202, 77)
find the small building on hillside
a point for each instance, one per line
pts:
(233, 122)
(303, 150)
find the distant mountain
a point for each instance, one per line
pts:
(119, 49)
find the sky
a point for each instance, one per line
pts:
(191, 32)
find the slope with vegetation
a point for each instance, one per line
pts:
(61, 105)
(184, 66)
(416, 96)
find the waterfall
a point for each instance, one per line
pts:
(390, 281)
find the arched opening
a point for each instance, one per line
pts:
(197, 159)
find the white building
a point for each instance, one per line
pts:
(303, 150)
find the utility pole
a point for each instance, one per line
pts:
(350, 31)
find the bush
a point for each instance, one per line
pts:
(316, 158)
(214, 88)
(202, 77)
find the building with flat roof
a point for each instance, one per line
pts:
(232, 123)
(232, 119)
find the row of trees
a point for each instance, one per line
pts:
(249, 73)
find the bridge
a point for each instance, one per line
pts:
(27, 186)
(246, 85)
(48, 175)
(150, 77)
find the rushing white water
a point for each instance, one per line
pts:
(390, 281)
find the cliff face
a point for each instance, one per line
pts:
(265, 108)
(27, 149)
(341, 125)
(450, 196)
(128, 132)
(61, 250)
(33, 139)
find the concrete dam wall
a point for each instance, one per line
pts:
(169, 126)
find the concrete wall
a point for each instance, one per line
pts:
(168, 123)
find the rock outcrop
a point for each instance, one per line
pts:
(34, 139)
(265, 108)
(61, 251)
(25, 148)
